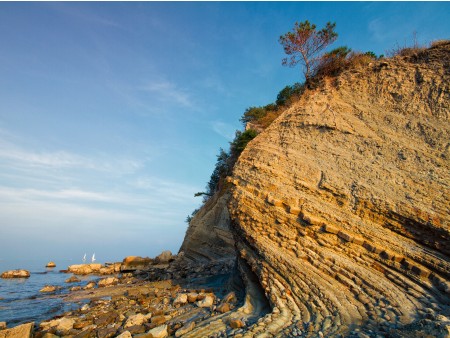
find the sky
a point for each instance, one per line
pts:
(112, 113)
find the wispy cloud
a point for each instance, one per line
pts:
(168, 91)
(224, 129)
(20, 157)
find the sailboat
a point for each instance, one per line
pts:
(93, 258)
(84, 258)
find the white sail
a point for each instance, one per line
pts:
(93, 258)
(84, 258)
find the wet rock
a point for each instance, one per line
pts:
(72, 279)
(75, 288)
(20, 331)
(15, 274)
(48, 288)
(107, 282)
(50, 265)
(89, 285)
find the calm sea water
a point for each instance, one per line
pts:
(20, 299)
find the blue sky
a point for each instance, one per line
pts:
(111, 114)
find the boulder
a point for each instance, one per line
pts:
(50, 265)
(125, 334)
(64, 325)
(158, 332)
(72, 279)
(236, 323)
(164, 257)
(109, 281)
(181, 299)
(84, 269)
(89, 285)
(208, 301)
(2, 325)
(192, 297)
(137, 319)
(132, 263)
(20, 331)
(185, 329)
(15, 274)
(48, 288)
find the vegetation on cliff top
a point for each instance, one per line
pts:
(304, 46)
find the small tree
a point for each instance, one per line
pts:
(304, 44)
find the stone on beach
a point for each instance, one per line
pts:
(164, 257)
(107, 282)
(15, 274)
(50, 265)
(84, 269)
(181, 299)
(206, 302)
(20, 331)
(158, 332)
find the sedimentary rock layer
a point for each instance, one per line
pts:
(341, 207)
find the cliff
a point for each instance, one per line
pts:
(341, 206)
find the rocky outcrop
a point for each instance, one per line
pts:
(341, 206)
(20, 331)
(84, 269)
(15, 274)
(50, 265)
(208, 237)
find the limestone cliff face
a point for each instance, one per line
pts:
(341, 207)
(208, 236)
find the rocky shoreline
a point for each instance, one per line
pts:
(160, 297)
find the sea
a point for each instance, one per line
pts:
(20, 299)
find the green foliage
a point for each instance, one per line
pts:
(221, 170)
(371, 54)
(333, 62)
(304, 44)
(285, 95)
(189, 217)
(240, 141)
(253, 113)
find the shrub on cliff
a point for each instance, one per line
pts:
(304, 44)
(240, 141)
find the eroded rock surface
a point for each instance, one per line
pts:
(341, 206)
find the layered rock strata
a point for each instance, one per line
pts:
(209, 236)
(341, 207)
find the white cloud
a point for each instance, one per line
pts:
(224, 129)
(167, 91)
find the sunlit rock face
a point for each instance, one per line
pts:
(341, 206)
(209, 236)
